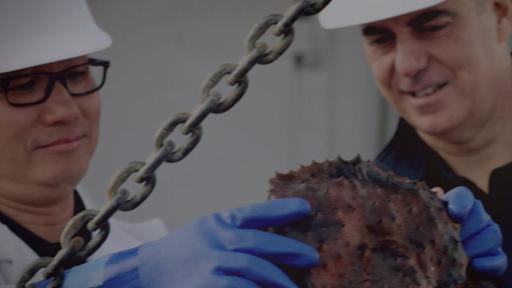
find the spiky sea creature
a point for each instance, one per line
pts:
(372, 229)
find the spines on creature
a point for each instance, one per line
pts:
(372, 228)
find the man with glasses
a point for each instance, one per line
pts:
(49, 124)
(49, 116)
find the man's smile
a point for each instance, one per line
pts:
(426, 91)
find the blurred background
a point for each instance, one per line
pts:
(317, 102)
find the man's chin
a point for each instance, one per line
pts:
(435, 126)
(61, 177)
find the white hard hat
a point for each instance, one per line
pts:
(35, 32)
(344, 13)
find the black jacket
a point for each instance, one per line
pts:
(407, 155)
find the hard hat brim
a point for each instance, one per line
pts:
(23, 56)
(345, 13)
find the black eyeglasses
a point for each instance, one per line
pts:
(34, 88)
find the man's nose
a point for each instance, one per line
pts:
(410, 58)
(60, 106)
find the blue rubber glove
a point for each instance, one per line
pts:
(481, 237)
(224, 249)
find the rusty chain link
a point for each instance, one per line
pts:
(73, 245)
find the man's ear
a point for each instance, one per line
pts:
(503, 11)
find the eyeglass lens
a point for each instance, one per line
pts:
(79, 80)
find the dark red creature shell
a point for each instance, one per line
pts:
(372, 229)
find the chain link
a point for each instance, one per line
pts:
(314, 6)
(32, 270)
(214, 79)
(259, 30)
(75, 226)
(108, 210)
(291, 15)
(121, 177)
(168, 128)
(246, 63)
(54, 268)
(96, 222)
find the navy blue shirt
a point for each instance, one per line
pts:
(407, 155)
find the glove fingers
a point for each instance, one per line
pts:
(493, 266)
(476, 220)
(486, 242)
(273, 247)
(459, 202)
(269, 213)
(253, 268)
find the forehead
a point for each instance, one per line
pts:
(54, 66)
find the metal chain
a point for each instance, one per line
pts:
(96, 223)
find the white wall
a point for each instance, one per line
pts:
(290, 115)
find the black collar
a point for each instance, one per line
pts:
(39, 245)
(408, 155)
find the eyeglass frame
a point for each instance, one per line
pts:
(54, 77)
